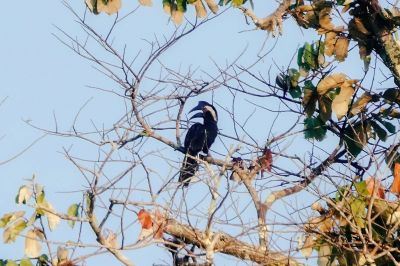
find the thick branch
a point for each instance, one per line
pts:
(228, 245)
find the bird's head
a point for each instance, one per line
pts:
(208, 111)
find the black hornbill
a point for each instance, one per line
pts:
(199, 138)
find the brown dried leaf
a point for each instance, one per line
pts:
(340, 104)
(330, 40)
(200, 9)
(212, 6)
(307, 248)
(325, 20)
(360, 103)
(341, 48)
(159, 224)
(146, 2)
(145, 219)
(112, 6)
(330, 82)
(177, 16)
(266, 161)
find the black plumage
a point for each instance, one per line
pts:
(199, 138)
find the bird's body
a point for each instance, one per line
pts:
(199, 138)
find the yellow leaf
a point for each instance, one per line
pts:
(146, 2)
(32, 243)
(111, 239)
(341, 48)
(340, 104)
(330, 82)
(360, 104)
(62, 254)
(52, 219)
(200, 9)
(112, 6)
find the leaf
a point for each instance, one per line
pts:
(111, 239)
(145, 219)
(25, 262)
(307, 247)
(361, 188)
(360, 103)
(330, 82)
(167, 6)
(24, 194)
(177, 15)
(212, 6)
(11, 263)
(146, 2)
(330, 40)
(389, 126)
(73, 211)
(309, 56)
(374, 187)
(33, 246)
(393, 218)
(356, 137)
(325, 20)
(382, 135)
(325, 108)
(395, 187)
(12, 231)
(324, 254)
(200, 9)
(357, 207)
(392, 95)
(310, 98)
(314, 128)
(266, 161)
(52, 219)
(10, 217)
(340, 105)
(110, 8)
(341, 48)
(295, 92)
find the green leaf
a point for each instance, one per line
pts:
(389, 126)
(309, 56)
(357, 207)
(294, 76)
(314, 128)
(356, 137)
(382, 135)
(295, 92)
(361, 188)
(25, 262)
(12, 231)
(73, 211)
(11, 263)
(181, 5)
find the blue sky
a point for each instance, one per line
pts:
(45, 83)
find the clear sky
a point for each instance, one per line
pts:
(45, 83)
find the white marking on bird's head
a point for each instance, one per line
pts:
(212, 111)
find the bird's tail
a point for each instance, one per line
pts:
(188, 169)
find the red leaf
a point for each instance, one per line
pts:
(145, 219)
(375, 186)
(266, 160)
(395, 188)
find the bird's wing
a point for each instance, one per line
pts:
(195, 138)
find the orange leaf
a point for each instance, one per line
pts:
(395, 188)
(145, 219)
(374, 186)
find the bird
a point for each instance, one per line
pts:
(199, 138)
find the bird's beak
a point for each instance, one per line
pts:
(197, 115)
(198, 107)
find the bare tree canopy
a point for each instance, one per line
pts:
(250, 160)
